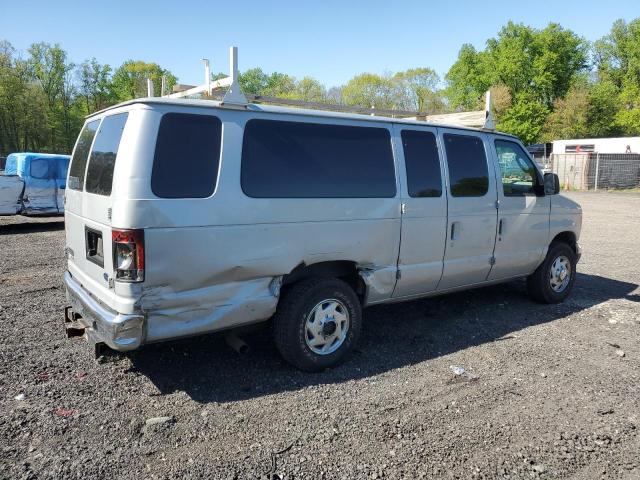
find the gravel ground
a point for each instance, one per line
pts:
(548, 391)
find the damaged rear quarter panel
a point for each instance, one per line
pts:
(201, 279)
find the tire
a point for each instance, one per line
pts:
(540, 284)
(329, 300)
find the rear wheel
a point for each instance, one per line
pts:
(553, 279)
(317, 323)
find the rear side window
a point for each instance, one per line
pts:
(81, 155)
(467, 163)
(187, 156)
(307, 160)
(423, 164)
(103, 154)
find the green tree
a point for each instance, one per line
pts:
(467, 79)
(602, 110)
(416, 90)
(53, 71)
(253, 81)
(23, 105)
(280, 85)
(95, 85)
(524, 118)
(618, 61)
(569, 116)
(536, 67)
(129, 81)
(367, 90)
(310, 90)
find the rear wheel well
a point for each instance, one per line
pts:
(567, 237)
(345, 270)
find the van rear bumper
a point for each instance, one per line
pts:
(119, 331)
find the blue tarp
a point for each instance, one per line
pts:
(20, 164)
(44, 176)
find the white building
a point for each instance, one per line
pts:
(598, 145)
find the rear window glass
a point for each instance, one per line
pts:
(187, 156)
(307, 160)
(81, 154)
(423, 163)
(467, 162)
(103, 154)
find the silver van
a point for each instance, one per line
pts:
(185, 217)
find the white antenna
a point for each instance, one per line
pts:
(149, 87)
(163, 86)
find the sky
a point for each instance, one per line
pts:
(329, 40)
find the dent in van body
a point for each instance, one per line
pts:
(203, 279)
(379, 280)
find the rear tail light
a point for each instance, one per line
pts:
(128, 255)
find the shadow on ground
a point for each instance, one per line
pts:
(33, 225)
(393, 336)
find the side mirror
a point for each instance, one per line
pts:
(551, 184)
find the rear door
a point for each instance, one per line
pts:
(472, 213)
(523, 217)
(424, 211)
(88, 203)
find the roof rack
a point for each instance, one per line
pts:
(229, 92)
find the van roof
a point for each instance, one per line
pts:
(253, 107)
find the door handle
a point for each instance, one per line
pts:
(455, 230)
(501, 226)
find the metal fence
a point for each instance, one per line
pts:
(595, 171)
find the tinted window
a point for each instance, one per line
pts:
(81, 154)
(517, 172)
(308, 160)
(467, 163)
(40, 168)
(423, 165)
(187, 156)
(103, 154)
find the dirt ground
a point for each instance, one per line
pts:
(549, 391)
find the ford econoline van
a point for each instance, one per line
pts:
(185, 217)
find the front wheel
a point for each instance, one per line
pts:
(317, 323)
(553, 279)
